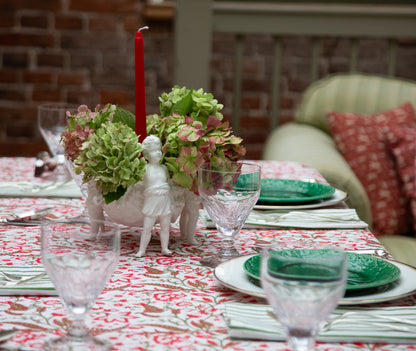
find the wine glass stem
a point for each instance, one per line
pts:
(78, 329)
(228, 248)
(301, 343)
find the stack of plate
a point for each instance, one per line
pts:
(296, 194)
(381, 280)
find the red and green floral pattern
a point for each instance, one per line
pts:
(154, 302)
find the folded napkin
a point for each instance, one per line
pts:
(44, 189)
(320, 218)
(249, 321)
(39, 287)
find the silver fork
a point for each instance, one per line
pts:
(11, 277)
(22, 280)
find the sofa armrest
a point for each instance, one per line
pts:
(311, 146)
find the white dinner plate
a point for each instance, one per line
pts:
(232, 275)
(338, 197)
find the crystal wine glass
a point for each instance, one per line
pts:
(52, 120)
(228, 191)
(79, 258)
(83, 187)
(303, 286)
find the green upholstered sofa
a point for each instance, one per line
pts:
(308, 139)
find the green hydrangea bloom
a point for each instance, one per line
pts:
(111, 157)
(192, 132)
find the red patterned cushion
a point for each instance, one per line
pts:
(402, 144)
(360, 139)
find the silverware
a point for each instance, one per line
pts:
(24, 280)
(7, 334)
(276, 216)
(19, 222)
(400, 323)
(372, 252)
(26, 218)
(11, 277)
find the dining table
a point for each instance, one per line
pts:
(156, 302)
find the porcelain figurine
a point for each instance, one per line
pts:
(156, 192)
(152, 200)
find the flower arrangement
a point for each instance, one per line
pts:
(103, 146)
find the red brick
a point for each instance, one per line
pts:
(90, 98)
(21, 129)
(49, 5)
(71, 78)
(113, 6)
(68, 22)
(27, 39)
(92, 41)
(115, 97)
(24, 148)
(250, 102)
(38, 77)
(258, 123)
(39, 21)
(82, 60)
(102, 23)
(7, 19)
(9, 76)
(18, 112)
(12, 94)
(15, 60)
(50, 60)
(132, 22)
(259, 85)
(40, 94)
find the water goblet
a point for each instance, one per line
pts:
(52, 120)
(83, 187)
(303, 286)
(228, 192)
(79, 258)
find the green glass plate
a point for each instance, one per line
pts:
(364, 272)
(290, 191)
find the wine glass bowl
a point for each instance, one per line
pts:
(303, 286)
(52, 120)
(79, 258)
(228, 192)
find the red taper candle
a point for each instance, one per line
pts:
(140, 86)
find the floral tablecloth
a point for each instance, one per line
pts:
(154, 302)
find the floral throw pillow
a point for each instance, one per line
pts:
(360, 139)
(402, 145)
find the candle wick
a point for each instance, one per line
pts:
(145, 27)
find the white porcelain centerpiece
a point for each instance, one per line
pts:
(140, 184)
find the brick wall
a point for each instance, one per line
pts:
(82, 51)
(79, 51)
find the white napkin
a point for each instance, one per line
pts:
(249, 321)
(39, 287)
(44, 189)
(320, 218)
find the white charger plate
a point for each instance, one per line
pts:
(338, 197)
(232, 275)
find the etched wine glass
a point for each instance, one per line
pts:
(303, 286)
(83, 187)
(229, 191)
(52, 120)
(79, 258)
